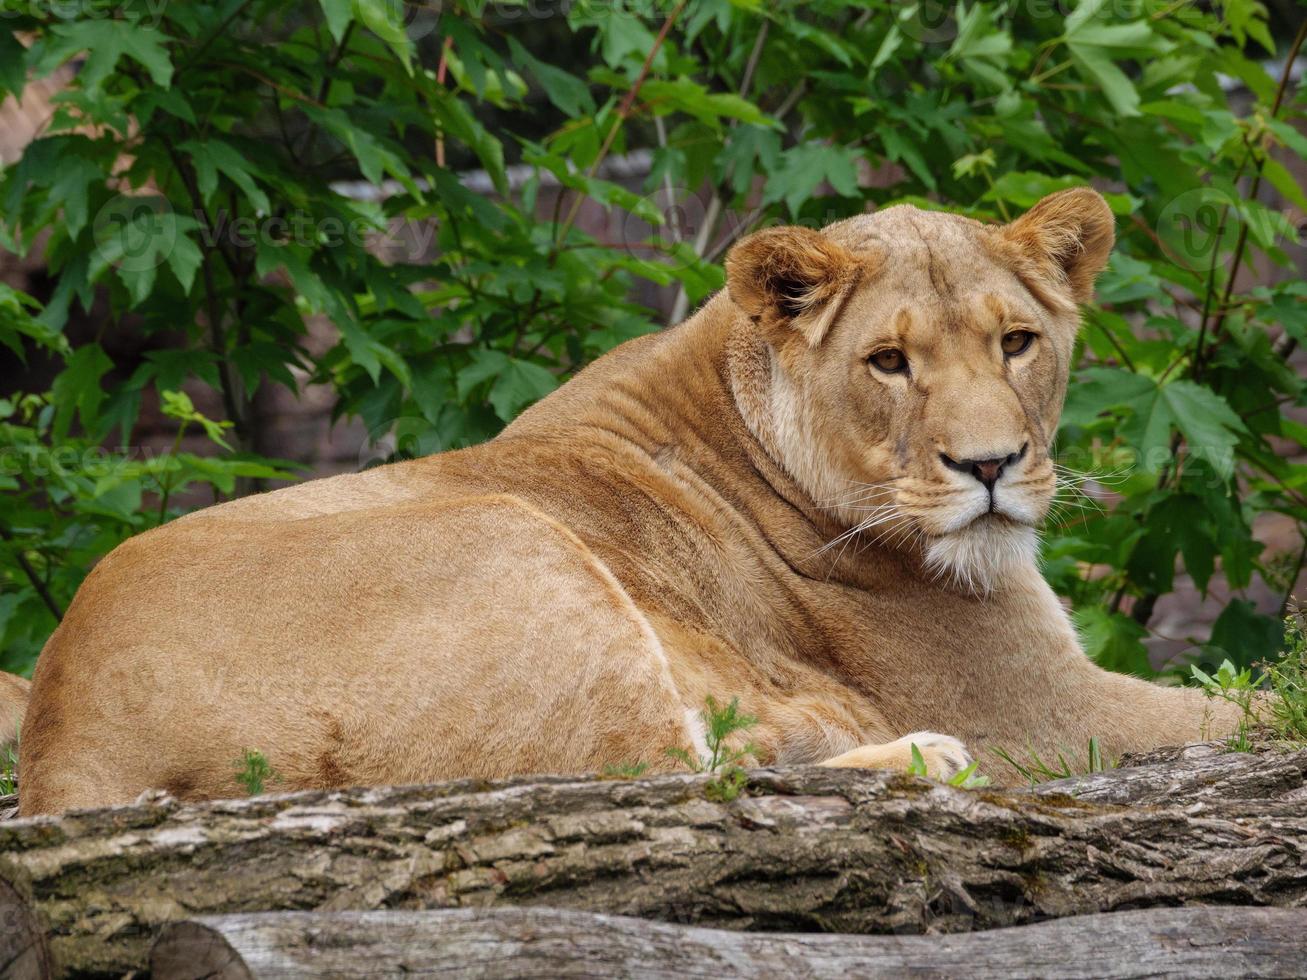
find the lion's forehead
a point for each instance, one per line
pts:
(906, 227)
(932, 254)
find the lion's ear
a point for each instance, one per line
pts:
(792, 279)
(1068, 237)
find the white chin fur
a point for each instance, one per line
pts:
(980, 556)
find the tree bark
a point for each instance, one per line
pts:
(805, 849)
(461, 944)
(1192, 774)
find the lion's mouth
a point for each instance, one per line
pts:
(995, 516)
(978, 555)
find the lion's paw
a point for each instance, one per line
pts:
(945, 755)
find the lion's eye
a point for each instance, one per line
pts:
(890, 361)
(1017, 342)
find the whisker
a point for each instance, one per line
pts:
(863, 492)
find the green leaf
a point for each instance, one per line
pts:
(805, 167)
(185, 259)
(459, 122)
(979, 36)
(1095, 47)
(136, 235)
(749, 150)
(1284, 182)
(375, 159)
(822, 40)
(105, 42)
(1247, 18)
(1116, 87)
(1207, 422)
(386, 20)
(622, 36)
(74, 175)
(566, 91)
(486, 364)
(1113, 641)
(213, 156)
(1246, 635)
(889, 44)
(77, 388)
(1026, 188)
(918, 765)
(1209, 425)
(519, 384)
(338, 14)
(13, 64)
(1097, 390)
(903, 150)
(1180, 522)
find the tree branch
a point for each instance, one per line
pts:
(37, 583)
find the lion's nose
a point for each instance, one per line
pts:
(987, 471)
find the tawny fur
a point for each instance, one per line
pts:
(740, 506)
(14, 693)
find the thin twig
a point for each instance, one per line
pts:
(713, 213)
(623, 110)
(1242, 241)
(204, 46)
(30, 572)
(1293, 579)
(441, 70)
(213, 303)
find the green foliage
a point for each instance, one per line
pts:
(1272, 699)
(9, 768)
(188, 193)
(722, 761)
(626, 770)
(254, 772)
(1036, 770)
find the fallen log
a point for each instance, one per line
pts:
(1190, 774)
(23, 951)
(805, 849)
(462, 944)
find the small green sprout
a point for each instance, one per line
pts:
(625, 770)
(1275, 701)
(254, 773)
(722, 760)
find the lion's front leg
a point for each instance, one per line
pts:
(944, 755)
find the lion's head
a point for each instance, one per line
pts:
(918, 365)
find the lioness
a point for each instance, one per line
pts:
(819, 494)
